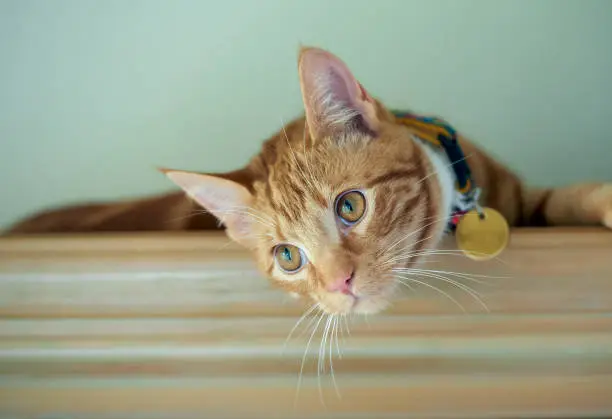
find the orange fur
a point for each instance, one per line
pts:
(347, 140)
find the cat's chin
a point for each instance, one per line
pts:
(362, 305)
(370, 305)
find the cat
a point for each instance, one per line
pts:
(338, 198)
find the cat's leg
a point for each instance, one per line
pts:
(575, 205)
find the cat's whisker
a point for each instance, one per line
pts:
(257, 216)
(442, 252)
(429, 261)
(464, 275)
(497, 258)
(301, 374)
(331, 361)
(341, 336)
(246, 211)
(408, 285)
(430, 252)
(387, 250)
(300, 320)
(435, 172)
(322, 353)
(321, 360)
(263, 218)
(253, 211)
(255, 219)
(393, 259)
(346, 323)
(220, 225)
(413, 233)
(458, 253)
(193, 213)
(469, 290)
(313, 319)
(457, 284)
(422, 240)
(312, 177)
(227, 244)
(298, 165)
(457, 275)
(336, 324)
(410, 234)
(407, 278)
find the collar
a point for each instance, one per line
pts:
(439, 134)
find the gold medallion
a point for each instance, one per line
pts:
(482, 236)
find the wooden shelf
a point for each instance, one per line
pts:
(182, 326)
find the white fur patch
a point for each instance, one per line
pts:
(445, 175)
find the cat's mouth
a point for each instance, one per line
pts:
(354, 303)
(361, 294)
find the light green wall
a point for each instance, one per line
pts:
(95, 94)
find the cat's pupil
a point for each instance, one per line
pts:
(348, 207)
(289, 258)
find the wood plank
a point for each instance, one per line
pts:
(182, 326)
(274, 397)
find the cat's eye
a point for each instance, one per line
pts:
(350, 207)
(289, 258)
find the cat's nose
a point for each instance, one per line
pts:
(343, 282)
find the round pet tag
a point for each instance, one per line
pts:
(482, 236)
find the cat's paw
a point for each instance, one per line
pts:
(607, 220)
(602, 200)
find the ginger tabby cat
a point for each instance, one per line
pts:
(337, 200)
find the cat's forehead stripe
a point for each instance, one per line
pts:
(393, 175)
(405, 201)
(296, 202)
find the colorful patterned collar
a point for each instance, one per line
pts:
(442, 136)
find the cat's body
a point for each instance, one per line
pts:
(289, 196)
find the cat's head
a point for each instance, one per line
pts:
(331, 210)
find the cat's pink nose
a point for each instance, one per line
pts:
(343, 283)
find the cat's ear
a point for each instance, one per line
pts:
(224, 198)
(335, 102)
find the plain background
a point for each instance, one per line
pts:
(95, 94)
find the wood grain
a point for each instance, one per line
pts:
(182, 326)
